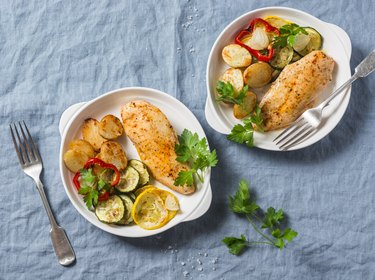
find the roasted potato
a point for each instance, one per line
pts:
(90, 133)
(112, 152)
(236, 56)
(234, 76)
(258, 75)
(248, 105)
(82, 146)
(110, 127)
(75, 160)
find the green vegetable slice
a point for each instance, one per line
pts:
(128, 181)
(282, 57)
(144, 176)
(111, 210)
(128, 203)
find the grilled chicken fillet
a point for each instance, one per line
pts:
(154, 138)
(294, 91)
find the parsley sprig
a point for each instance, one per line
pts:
(288, 34)
(227, 93)
(91, 184)
(271, 221)
(196, 153)
(245, 133)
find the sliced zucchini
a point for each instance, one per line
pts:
(315, 43)
(110, 211)
(132, 196)
(282, 57)
(128, 181)
(128, 203)
(296, 57)
(144, 176)
(275, 74)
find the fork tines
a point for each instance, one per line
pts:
(26, 150)
(293, 134)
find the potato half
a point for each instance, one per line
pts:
(236, 56)
(110, 127)
(234, 76)
(82, 146)
(113, 153)
(90, 133)
(248, 105)
(258, 75)
(75, 160)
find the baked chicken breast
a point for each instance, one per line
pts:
(154, 138)
(295, 90)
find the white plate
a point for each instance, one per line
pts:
(192, 206)
(336, 43)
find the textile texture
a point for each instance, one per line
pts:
(57, 53)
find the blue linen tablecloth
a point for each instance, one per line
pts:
(57, 53)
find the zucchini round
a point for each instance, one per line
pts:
(128, 203)
(296, 57)
(315, 43)
(282, 57)
(275, 74)
(111, 210)
(128, 181)
(144, 176)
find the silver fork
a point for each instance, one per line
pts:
(310, 120)
(31, 164)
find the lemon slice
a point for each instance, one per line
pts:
(170, 202)
(140, 190)
(149, 211)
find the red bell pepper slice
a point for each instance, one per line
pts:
(246, 32)
(91, 162)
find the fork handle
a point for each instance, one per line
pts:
(339, 90)
(60, 241)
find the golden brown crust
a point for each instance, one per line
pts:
(154, 138)
(298, 85)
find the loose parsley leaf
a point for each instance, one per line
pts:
(245, 133)
(227, 93)
(272, 218)
(288, 35)
(235, 245)
(240, 202)
(87, 176)
(255, 119)
(194, 151)
(242, 134)
(88, 187)
(103, 184)
(287, 235)
(185, 177)
(91, 198)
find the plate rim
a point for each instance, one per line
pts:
(207, 185)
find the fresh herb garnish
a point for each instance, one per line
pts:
(89, 187)
(227, 93)
(91, 184)
(288, 34)
(245, 133)
(271, 221)
(196, 153)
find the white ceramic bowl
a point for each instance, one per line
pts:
(336, 43)
(192, 206)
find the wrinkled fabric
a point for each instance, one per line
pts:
(57, 53)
